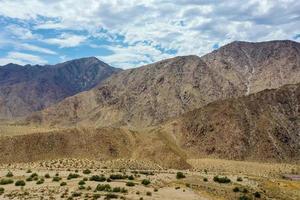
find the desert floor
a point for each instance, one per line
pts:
(248, 180)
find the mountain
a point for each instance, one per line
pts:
(151, 94)
(25, 89)
(264, 126)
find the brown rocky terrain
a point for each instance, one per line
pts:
(25, 89)
(264, 126)
(259, 127)
(153, 93)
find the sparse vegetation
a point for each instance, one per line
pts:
(56, 179)
(119, 189)
(180, 175)
(86, 171)
(81, 182)
(146, 181)
(235, 189)
(41, 181)
(103, 187)
(2, 190)
(111, 196)
(117, 176)
(9, 174)
(47, 176)
(148, 193)
(243, 197)
(6, 181)
(257, 195)
(20, 183)
(28, 179)
(221, 179)
(130, 184)
(73, 176)
(239, 179)
(63, 184)
(97, 178)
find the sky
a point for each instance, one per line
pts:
(131, 33)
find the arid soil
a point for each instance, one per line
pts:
(198, 183)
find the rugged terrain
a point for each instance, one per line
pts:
(153, 93)
(195, 114)
(262, 126)
(25, 89)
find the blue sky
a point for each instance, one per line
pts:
(131, 33)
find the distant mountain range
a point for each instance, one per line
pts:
(240, 101)
(25, 89)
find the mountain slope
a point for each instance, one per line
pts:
(151, 94)
(263, 126)
(24, 89)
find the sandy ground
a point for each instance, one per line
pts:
(268, 181)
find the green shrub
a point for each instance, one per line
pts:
(86, 171)
(41, 181)
(56, 179)
(257, 195)
(47, 176)
(239, 179)
(245, 190)
(180, 175)
(9, 174)
(81, 182)
(76, 194)
(98, 178)
(81, 187)
(73, 176)
(236, 189)
(188, 185)
(1, 190)
(130, 177)
(117, 176)
(20, 183)
(103, 187)
(221, 179)
(116, 189)
(6, 181)
(96, 196)
(148, 193)
(111, 196)
(146, 182)
(108, 180)
(28, 179)
(155, 190)
(130, 184)
(205, 179)
(244, 198)
(28, 171)
(63, 184)
(34, 175)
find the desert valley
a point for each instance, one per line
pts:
(225, 125)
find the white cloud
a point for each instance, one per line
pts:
(20, 32)
(35, 48)
(21, 58)
(66, 40)
(187, 26)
